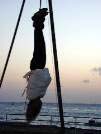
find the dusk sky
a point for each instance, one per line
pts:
(78, 35)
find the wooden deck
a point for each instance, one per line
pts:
(23, 128)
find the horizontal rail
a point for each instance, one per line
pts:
(58, 115)
(53, 115)
(52, 119)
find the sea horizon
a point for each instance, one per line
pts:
(53, 102)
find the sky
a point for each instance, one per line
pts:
(78, 37)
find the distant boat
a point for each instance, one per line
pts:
(93, 122)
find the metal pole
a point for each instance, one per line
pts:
(12, 42)
(56, 64)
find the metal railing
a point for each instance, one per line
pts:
(70, 121)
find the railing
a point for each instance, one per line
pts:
(70, 121)
(46, 118)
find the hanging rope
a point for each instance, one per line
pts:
(12, 42)
(40, 3)
(56, 64)
(52, 67)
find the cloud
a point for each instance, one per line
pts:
(86, 81)
(97, 70)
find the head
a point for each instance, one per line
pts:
(33, 109)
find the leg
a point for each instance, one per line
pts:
(39, 56)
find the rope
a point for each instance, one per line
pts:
(12, 42)
(56, 64)
(40, 3)
(52, 64)
(53, 69)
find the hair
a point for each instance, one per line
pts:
(33, 109)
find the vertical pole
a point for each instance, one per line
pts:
(56, 64)
(12, 42)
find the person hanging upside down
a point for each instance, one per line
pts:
(38, 78)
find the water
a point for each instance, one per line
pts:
(79, 113)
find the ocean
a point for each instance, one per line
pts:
(75, 115)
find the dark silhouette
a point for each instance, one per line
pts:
(38, 60)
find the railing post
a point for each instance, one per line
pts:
(51, 120)
(6, 117)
